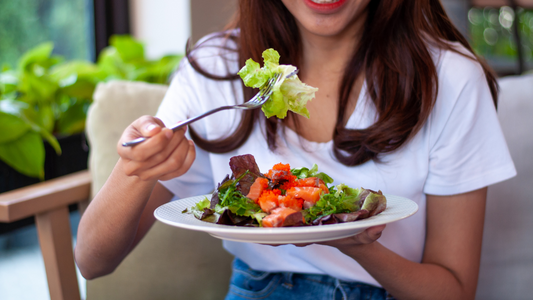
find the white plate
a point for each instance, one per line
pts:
(172, 214)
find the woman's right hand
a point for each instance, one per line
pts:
(122, 211)
(163, 156)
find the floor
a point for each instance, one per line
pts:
(22, 273)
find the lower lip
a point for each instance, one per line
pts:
(324, 7)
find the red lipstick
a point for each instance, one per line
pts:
(324, 7)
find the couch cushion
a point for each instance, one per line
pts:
(116, 104)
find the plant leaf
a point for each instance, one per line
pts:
(77, 78)
(73, 119)
(30, 118)
(47, 117)
(25, 155)
(12, 127)
(112, 64)
(128, 48)
(52, 140)
(37, 89)
(40, 55)
(8, 81)
(158, 71)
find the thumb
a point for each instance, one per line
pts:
(150, 129)
(150, 126)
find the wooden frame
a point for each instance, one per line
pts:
(48, 202)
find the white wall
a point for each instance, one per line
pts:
(163, 25)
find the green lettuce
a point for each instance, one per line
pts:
(313, 172)
(332, 203)
(289, 93)
(199, 208)
(237, 202)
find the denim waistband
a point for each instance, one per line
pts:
(247, 283)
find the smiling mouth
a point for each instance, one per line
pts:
(324, 1)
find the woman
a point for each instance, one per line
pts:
(403, 106)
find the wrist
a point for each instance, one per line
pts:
(359, 251)
(133, 179)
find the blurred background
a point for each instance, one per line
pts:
(501, 31)
(81, 28)
(80, 34)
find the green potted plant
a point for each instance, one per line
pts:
(44, 100)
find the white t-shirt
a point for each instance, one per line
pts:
(460, 148)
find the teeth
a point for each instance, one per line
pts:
(325, 1)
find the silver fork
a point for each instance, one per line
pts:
(257, 101)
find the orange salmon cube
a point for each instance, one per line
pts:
(291, 202)
(268, 200)
(277, 217)
(309, 194)
(259, 185)
(313, 182)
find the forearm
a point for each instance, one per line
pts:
(109, 226)
(452, 251)
(405, 279)
(122, 212)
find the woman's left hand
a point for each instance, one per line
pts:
(366, 237)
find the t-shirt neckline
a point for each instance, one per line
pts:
(357, 120)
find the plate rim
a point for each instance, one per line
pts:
(238, 230)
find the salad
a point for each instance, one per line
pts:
(288, 94)
(284, 197)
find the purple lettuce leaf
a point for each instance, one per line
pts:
(244, 165)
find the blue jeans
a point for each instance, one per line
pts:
(247, 283)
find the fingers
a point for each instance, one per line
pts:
(164, 155)
(178, 162)
(151, 127)
(300, 245)
(366, 237)
(146, 126)
(297, 245)
(156, 151)
(370, 235)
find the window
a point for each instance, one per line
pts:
(26, 23)
(70, 25)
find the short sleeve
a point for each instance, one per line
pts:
(467, 147)
(178, 105)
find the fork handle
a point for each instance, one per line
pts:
(179, 125)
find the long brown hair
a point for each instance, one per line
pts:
(393, 54)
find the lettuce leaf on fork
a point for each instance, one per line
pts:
(289, 93)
